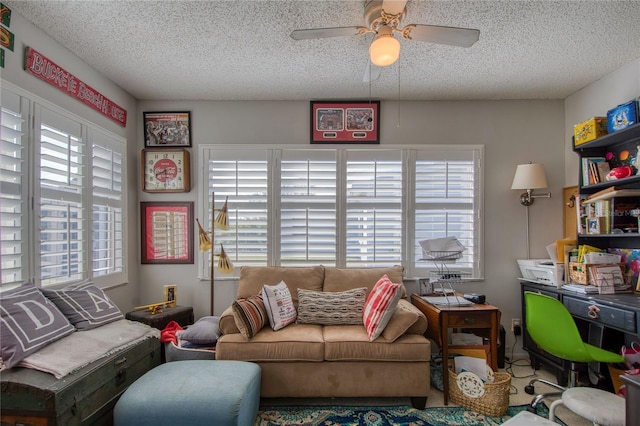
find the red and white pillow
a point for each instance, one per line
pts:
(380, 306)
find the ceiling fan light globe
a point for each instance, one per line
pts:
(384, 51)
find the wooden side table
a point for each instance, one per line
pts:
(442, 317)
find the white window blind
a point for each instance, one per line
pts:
(308, 208)
(374, 208)
(348, 207)
(61, 210)
(62, 196)
(447, 202)
(241, 176)
(13, 189)
(107, 220)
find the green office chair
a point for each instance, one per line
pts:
(551, 327)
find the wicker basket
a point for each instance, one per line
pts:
(495, 400)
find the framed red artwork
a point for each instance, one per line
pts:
(345, 122)
(167, 232)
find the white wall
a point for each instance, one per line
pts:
(28, 35)
(513, 132)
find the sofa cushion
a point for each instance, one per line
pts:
(296, 342)
(252, 278)
(85, 305)
(279, 305)
(250, 315)
(331, 308)
(28, 322)
(380, 306)
(351, 343)
(341, 279)
(406, 318)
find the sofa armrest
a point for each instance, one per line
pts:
(406, 319)
(228, 323)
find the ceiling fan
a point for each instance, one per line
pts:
(383, 18)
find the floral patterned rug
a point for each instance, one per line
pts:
(381, 416)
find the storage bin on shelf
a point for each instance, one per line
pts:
(494, 401)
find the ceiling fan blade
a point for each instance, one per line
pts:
(371, 72)
(462, 37)
(393, 7)
(327, 32)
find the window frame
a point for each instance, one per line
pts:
(91, 135)
(273, 155)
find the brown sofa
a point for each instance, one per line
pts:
(309, 360)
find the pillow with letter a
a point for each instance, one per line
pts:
(85, 305)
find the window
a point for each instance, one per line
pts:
(346, 207)
(13, 188)
(73, 228)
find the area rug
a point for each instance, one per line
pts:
(381, 416)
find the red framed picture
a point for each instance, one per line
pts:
(167, 232)
(345, 122)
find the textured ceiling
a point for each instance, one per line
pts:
(241, 50)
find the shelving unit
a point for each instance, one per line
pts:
(623, 140)
(619, 319)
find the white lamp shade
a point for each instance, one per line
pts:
(384, 50)
(529, 176)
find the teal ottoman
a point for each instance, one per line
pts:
(195, 392)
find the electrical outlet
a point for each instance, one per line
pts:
(515, 325)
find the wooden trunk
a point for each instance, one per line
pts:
(86, 397)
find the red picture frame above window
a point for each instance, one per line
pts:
(345, 122)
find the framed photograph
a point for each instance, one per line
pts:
(167, 129)
(345, 122)
(167, 232)
(171, 295)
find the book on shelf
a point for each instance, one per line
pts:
(611, 192)
(590, 171)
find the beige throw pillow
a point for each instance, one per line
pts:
(331, 308)
(279, 305)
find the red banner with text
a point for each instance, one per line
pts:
(40, 66)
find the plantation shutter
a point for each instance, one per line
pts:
(241, 175)
(13, 189)
(308, 208)
(373, 208)
(447, 201)
(61, 213)
(107, 215)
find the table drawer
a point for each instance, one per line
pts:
(470, 319)
(611, 317)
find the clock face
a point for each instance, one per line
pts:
(166, 170)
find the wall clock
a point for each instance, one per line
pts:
(166, 170)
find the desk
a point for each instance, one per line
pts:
(442, 318)
(617, 323)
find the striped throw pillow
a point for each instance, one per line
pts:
(250, 315)
(380, 306)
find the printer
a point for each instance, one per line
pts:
(542, 271)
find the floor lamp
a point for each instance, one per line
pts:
(529, 177)
(206, 243)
